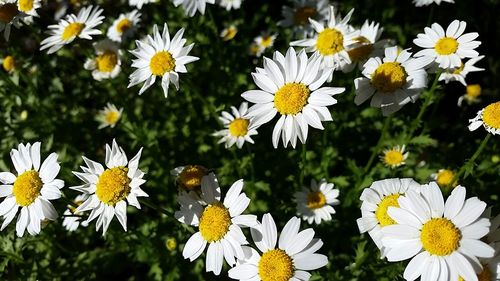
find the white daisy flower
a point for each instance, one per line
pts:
(294, 255)
(192, 6)
(29, 7)
(238, 127)
(160, 57)
(219, 223)
(110, 189)
(72, 219)
(393, 81)
(109, 116)
(107, 63)
(489, 118)
(82, 26)
(298, 16)
(315, 203)
(442, 239)
(291, 86)
(230, 4)
(188, 177)
(460, 73)
(124, 26)
(262, 43)
(447, 48)
(140, 3)
(394, 157)
(376, 199)
(420, 3)
(331, 40)
(31, 190)
(9, 16)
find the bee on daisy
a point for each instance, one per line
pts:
(298, 16)
(472, 95)
(489, 118)
(140, 3)
(71, 27)
(230, 4)
(109, 116)
(107, 63)
(459, 74)
(445, 178)
(72, 220)
(124, 26)
(442, 238)
(219, 223)
(238, 128)
(291, 86)
(160, 57)
(10, 16)
(8, 63)
(447, 48)
(393, 81)
(262, 42)
(394, 157)
(315, 203)
(229, 33)
(287, 257)
(376, 200)
(188, 177)
(31, 190)
(192, 6)
(110, 188)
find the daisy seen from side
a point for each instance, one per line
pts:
(459, 74)
(315, 203)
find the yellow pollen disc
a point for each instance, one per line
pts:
(27, 187)
(276, 265)
(473, 91)
(214, 222)
(459, 70)
(393, 158)
(123, 25)
(445, 178)
(267, 41)
(291, 98)
(161, 63)
(239, 127)
(491, 115)
(316, 200)
(302, 15)
(8, 63)
(112, 117)
(381, 213)
(106, 61)
(72, 30)
(330, 41)
(25, 5)
(113, 185)
(190, 177)
(446, 46)
(389, 77)
(8, 12)
(440, 237)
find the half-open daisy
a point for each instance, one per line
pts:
(30, 191)
(460, 73)
(298, 16)
(82, 26)
(294, 255)
(447, 48)
(238, 127)
(72, 219)
(489, 118)
(111, 188)
(442, 239)
(394, 157)
(160, 57)
(188, 177)
(192, 6)
(124, 26)
(393, 81)
(376, 199)
(219, 223)
(109, 116)
(291, 86)
(107, 63)
(9, 16)
(315, 203)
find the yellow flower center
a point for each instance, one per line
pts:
(171, 244)
(445, 178)
(8, 63)
(113, 185)
(191, 175)
(161, 63)
(302, 15)
(316, 200)
(25, 5)
(491, 115)
(27, 187)
(8, 12)
(394, 158)
(291, 98)
(276, 265)
(446, 46)
(485, 275)
(460, 69)
(381, 213)
(72, 30)
(229, 33)
(330, 41)
(214, 222)
(389, 77)
(112, 117)
(239, 127)
(123, 25)
(106, 61)
(473, 91)
(267, 41)
(440, 237)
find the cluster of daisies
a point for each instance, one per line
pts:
(452, 239)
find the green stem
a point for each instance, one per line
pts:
(303, 164)
(473, 158)
(379, 144)
(252, 169)
(156, 207)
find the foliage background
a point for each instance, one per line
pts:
(53, 99)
